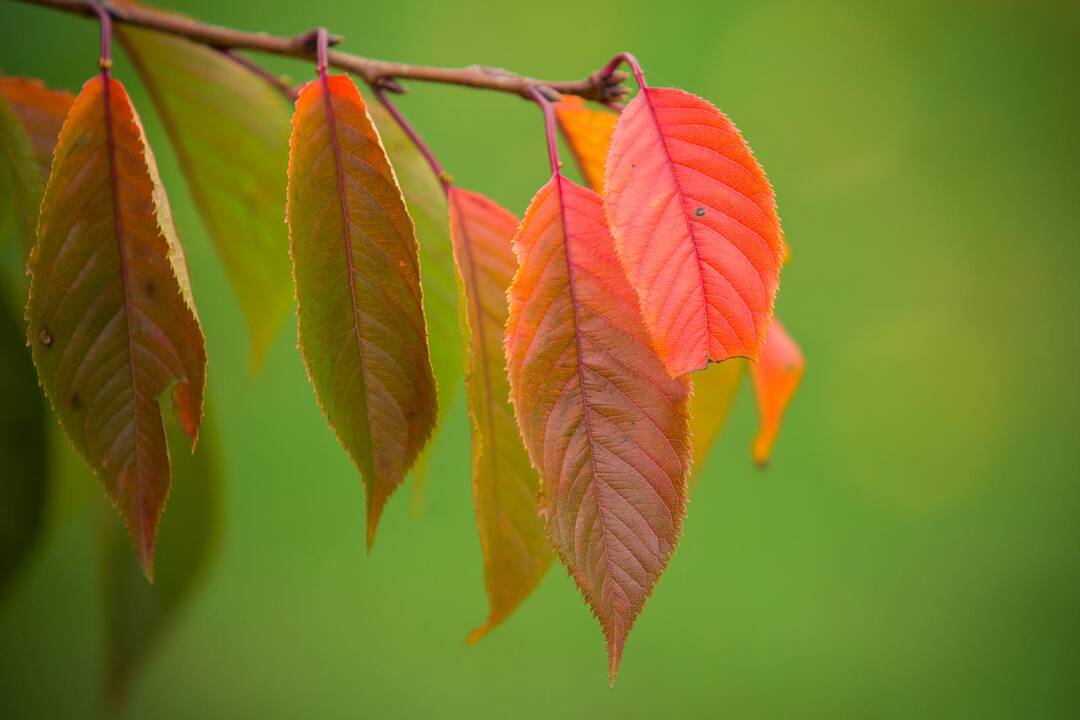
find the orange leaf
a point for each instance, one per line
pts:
(602, 421)
(715, 389)
(111, 318)
(776, 377)
(362, 330)
(516, 550)
(588, 133)
(41, 112)
(695, 225)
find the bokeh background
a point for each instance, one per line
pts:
(913, 550)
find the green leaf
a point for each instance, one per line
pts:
(21, 182)
(438, 277)
(230, 130)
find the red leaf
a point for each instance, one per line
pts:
(111, 319)
(695, 225)
(776, 376)
(505, 486)
(603, 422)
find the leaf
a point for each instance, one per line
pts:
(362, 330)
(24, 454)
(230, 130)
(426, 202)
(138, 615)
(695, 225)
(41, 113)
(111, 318)
(715, 389)
(604, 424)
(776, 377)
(516, 550)
(588, 132)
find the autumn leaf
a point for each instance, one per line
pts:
(24, 452)
(111, 319)
(138, 616)
(505, 486)
(426, 202)
(230, 129)
(604, 424)
(715, 389)
(776, 377)
(355, 263)
(588, 132)
(30, 120)
(695, 224)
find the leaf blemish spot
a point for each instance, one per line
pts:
(45, 337)
(151, 289)
(75, 401)
(700, 212)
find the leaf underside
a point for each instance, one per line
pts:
(695, 224)
(776, 377)
(111, 320)
(604, 424)
(229, 128)
(505, 485)
(355, 264)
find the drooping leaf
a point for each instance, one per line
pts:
(715, 389)
(588, 132)
(505, 485)
(41, 113)
(139, 615)
(24, 451)
(426, 202)
(111, 318)
(355, 263)
(695, 224)
(604, 424)
(776, 377)
(230, 130)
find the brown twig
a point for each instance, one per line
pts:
(598, 86)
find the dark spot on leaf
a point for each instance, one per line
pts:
(75, 401)
(151, 289)
(45, 337)
(700, 212)
(633, 165)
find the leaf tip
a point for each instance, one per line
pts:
(478, 634)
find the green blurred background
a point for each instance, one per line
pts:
(913, 551)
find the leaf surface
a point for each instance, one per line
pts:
(138, 615)
(111, 319)
(588, 132)
(602, 421)
(355, 263)
(776, 377)
(230, 130)
(695, 224)
(505, 485)
(426, 202)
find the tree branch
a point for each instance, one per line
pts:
(598, 86)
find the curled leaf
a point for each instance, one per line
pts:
(230, 129)
(516, 550)
(355, 263)
(776, 377)
(695, 224)
(111, 319)
(604, 424)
